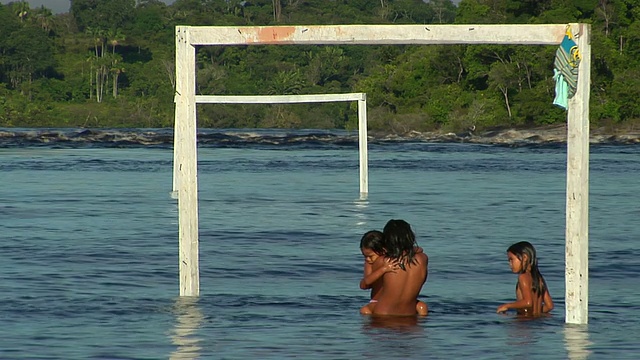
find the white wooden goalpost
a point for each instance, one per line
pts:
(185, 144)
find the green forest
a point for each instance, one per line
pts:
(111, 64)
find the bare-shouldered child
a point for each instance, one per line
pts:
(376, 265)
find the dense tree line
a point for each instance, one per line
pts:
(110, 63)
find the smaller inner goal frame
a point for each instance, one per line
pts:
(361, 98)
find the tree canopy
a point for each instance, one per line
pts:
(110, 63)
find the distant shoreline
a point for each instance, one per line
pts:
(512, 137)
(519, 137)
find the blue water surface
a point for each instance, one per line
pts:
(90, 251)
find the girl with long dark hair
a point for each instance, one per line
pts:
(532, 294)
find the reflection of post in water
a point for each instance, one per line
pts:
(188, 320)
(576, 341)
(361, 206)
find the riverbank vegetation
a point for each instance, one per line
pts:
(110, 63)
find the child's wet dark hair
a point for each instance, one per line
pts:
(372, 240)
(522, 248)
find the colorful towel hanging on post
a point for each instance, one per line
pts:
(566, 66)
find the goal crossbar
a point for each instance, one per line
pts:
(278, 99)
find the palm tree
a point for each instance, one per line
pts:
(21, 9)
(287, 83)
(99, 63)
(44, 17)
(91, 59)
(98, 39)
(277, 10)
(114, 38)
(116, 70)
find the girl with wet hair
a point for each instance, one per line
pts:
(372, 240)
(532, 294)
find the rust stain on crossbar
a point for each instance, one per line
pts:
(270, 34)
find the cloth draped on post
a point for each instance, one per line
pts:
(565, 70)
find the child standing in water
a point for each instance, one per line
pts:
(375, 266)
(532, 294)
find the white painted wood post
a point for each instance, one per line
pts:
(577, 212)
(362, 147)
(185, 163)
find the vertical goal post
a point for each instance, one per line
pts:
(185, 145)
